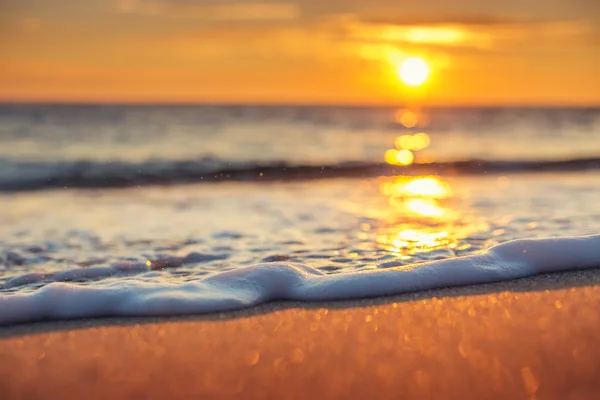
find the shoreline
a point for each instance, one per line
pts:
(542, 282)
(528, 338)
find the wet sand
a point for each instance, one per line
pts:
(524, 339)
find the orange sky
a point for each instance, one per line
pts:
(510, 52)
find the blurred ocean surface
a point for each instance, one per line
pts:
(101, 146)
(94, 194)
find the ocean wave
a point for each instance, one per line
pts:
(246, 287)
(24, 176)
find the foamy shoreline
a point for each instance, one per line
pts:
(246, 287)
(512, 339)
(570, 281)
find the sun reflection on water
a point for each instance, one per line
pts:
(415, 142)
(424, 207)
(412, 216)
(399, 157)
(407, 145)
(422, 215)
(426, 186)
(406, 118)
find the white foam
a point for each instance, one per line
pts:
(259, 283)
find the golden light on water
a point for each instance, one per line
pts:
(424, 207)
(399, 157)
(420, 239)
(415, 142)
(432, 187)
(424, 186)
(419, 196)
(407, 118)
(407, 144)
(422, 215)
(413, 71)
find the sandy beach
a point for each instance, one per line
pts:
(523, 339)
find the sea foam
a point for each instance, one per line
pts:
(245, 287)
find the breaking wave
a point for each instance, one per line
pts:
(23, 176)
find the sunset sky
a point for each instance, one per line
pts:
(480, 52)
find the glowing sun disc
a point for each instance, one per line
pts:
(414, 71)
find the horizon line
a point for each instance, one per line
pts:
(203, 103)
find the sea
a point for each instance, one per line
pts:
(151, 210)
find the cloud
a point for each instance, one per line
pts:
(460, 19)
(343, 38)
(481, 33)
(213, 11)
(350, 27)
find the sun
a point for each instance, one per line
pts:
(413, 71)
